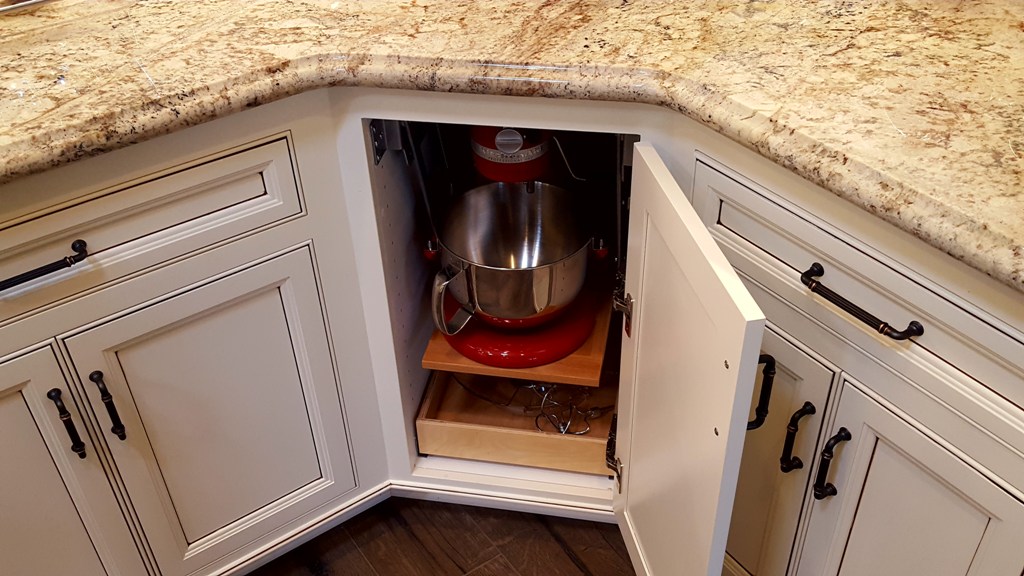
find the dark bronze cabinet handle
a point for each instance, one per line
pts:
(78, 247)
(822, 489)
(77, 446)
(118, 428)
(768, 373)
(788, 462)
(809, 279)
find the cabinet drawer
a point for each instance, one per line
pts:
(454, 422)
(132, 226)
(778, 241)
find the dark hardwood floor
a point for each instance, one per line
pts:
(419, 538)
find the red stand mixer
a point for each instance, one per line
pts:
(510, 291)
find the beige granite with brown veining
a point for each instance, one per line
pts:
(913, 110)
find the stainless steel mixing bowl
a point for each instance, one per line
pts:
(514, 254)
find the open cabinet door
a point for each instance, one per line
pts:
(688, 365)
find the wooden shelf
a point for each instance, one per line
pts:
(581, 368)
(453, 422)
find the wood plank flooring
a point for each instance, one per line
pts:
(402, 537)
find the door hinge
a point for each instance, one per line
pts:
(624, 303)
(610, 460)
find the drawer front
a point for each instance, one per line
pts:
(779, 242)
(134, 226)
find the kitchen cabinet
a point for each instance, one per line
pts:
(689, 347)
(682, 398)
(903, 504)
(904, 480)
(778, 457)
(902, 499)
(225, 436)
(219, 438)
(262, 344)
(201, 368)
(59, 516)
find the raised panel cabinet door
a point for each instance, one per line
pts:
(903, 504)
(232, 419)
(688, 364)
(45, 518)
(773, 480)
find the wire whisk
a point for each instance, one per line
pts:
(559, 408)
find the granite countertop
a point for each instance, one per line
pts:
(913, 110)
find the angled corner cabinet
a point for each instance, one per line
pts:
(682, 356)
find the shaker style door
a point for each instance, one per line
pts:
(57, 512)
(689, 358)
(221, 409)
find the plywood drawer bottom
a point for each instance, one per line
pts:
(454, 422)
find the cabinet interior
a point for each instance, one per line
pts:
(416, 170)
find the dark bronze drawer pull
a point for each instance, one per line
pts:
(768, 378)
(822, 488)
(78, 247)
(118, 428)
(788, 462)
(809, 279)
(77, 446)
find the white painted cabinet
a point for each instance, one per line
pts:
(221, 414)
(901, 503)
(193, 352)
(230, 408)
(57, 513)
(774, 479)
(228, 314)
(917, 473)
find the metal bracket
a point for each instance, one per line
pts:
(385, 135)
(610, 460)
(624, 304)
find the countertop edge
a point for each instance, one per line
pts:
(927, 218)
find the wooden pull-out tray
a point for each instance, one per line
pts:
(581, 368)
(453, 422)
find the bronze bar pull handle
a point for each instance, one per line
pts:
(768, 372)
(822, 489)
(788, 462)
(809, 279)
(78, 247)
(77, 446)
(118, 427)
